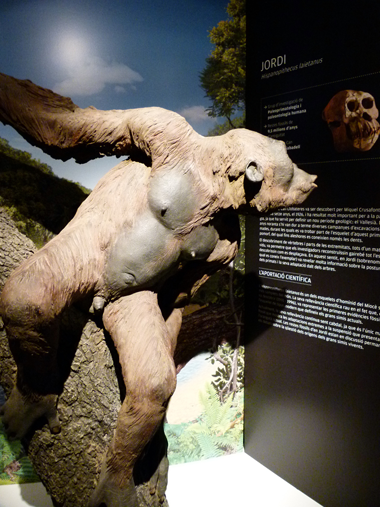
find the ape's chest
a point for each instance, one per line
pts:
(176, 198)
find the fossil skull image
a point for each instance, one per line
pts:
(352, 118)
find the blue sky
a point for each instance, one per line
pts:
(111, 54)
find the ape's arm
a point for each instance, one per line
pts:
(63, 130)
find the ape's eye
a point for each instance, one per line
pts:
(254, 172)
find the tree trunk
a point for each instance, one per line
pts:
(14, 248)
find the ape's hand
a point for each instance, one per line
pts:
(19, 413)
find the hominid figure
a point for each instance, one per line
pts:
(154, 228)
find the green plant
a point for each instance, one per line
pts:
(15, 466)
(229, 376)
(218, 430)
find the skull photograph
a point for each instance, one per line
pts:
(153, 230)
(352, 118)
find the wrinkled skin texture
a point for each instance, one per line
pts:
(154, 228)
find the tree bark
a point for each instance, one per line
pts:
(14, 248)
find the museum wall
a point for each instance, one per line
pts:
(313, 309)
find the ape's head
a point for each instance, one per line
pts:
(272, 180)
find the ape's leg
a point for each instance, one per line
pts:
(145, 343)
(33, 333)
(151, 470)
(31, 304)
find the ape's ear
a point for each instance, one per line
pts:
(63, 130)
(254, 172)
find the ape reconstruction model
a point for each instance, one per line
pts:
(154, 228)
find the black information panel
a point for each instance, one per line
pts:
(313, 341)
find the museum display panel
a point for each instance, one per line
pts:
(312, 349)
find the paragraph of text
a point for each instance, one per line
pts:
(345, 322)
(324, 238)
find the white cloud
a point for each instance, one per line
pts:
(94, 74)
(195, 114)
(120, 89)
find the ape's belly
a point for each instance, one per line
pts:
(141, 256)
(150, 252)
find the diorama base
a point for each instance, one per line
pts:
(230, 480)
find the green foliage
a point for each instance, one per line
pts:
(218, 431)
(23, 156)
(15, 466)
(229, 376)
(214, 291)
(224, 76)
(40, 203)
(223, 128)
(239, 263)
(32, 229)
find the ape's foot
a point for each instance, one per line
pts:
(20, 412)
(108, 494)
(152, 493)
